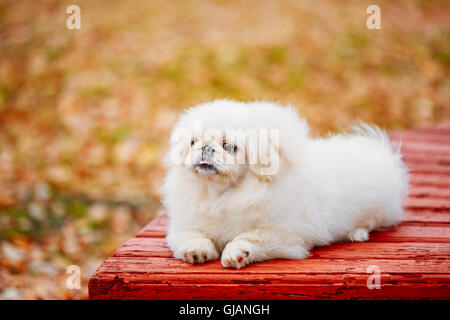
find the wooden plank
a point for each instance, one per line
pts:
(247, 286)
(264, 292)
(429, 168)
(429, 218)
(429, 191)
(430, 180)
(273, 278)
(442, 150)
(150, 231)
(373, 250)
(144, 247)
(408, 233)
(428, 203)
(157, 228)
(421, 158)
(150, 247)
(151, 265)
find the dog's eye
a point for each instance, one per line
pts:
(229, 147)
(192, 142)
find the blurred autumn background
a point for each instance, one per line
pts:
(85, 114)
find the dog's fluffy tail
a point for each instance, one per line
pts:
(374, 132)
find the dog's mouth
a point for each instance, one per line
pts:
(205, 167)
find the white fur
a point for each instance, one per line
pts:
(326, 190)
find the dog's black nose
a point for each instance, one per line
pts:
(207, 149)
(207, 153)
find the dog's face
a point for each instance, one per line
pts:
(216, 155)
(210, 145)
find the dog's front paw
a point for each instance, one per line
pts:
(197, 251)
(237, 254)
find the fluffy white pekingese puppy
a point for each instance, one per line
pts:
(246, 183)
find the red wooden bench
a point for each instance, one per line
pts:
(413, 258)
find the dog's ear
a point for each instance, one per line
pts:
(263, 154)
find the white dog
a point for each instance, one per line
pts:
(247, 183)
